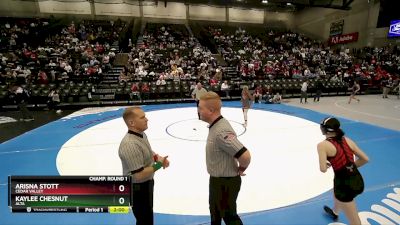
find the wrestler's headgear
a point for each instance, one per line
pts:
(329, 124)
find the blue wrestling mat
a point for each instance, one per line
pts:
(283, 184)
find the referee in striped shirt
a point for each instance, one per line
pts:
(140, 162)
(226, 160)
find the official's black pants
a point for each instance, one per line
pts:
(222, 199)
(197, 105)
(142, 202)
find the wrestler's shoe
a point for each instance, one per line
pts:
(331, 213)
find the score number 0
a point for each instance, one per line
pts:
(121, 200)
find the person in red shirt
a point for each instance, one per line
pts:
(258, 93)
(42, 77)
(213, 81)
(135, 91)
(337, 151)
(145, 89)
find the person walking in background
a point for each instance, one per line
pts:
(246, 99)
(226, 160)
(337, 151)
(303, 90)
(387, 85)
(54, 100)
(22, 97)
(197, 93)
(140, 162)
(354, 90)
(318, 89)
(398, 90)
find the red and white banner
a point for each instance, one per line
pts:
(343, 39)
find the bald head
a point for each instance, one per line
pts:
(135, 119)
(129, 113)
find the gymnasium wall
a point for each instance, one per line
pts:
(18, 8)
(172, 10)
(147, 10)
(205, 12)
(246, 15)
(72, 7)
(116, 9)
(315, 22)
(362, 18)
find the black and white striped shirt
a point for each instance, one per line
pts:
(135, 153)
(222, 149)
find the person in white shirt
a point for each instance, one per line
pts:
(304, 87)
(161, 81)
(197, 93)
(68, 68)
(277, 98)
(225, 87)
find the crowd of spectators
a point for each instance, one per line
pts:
(80, 52)
(168, 52)
(287, 55)
(65, 54)
(74, 52)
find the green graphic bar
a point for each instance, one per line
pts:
(69, 200)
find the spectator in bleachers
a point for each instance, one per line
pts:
(135, 91)
(123, 76)
(161, 81)
(213, 81)
(42, 77)
(225, 88)
(335, 78)
(277, 99)
(145, 89)
(258, 93)
(268, 93)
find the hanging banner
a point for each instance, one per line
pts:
(343, 39)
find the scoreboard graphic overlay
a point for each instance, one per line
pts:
(88, 194)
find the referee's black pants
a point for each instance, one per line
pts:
(142, 202)
(197, 105)
(222, 199)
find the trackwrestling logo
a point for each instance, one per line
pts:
(395, 28)
(386, 213)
